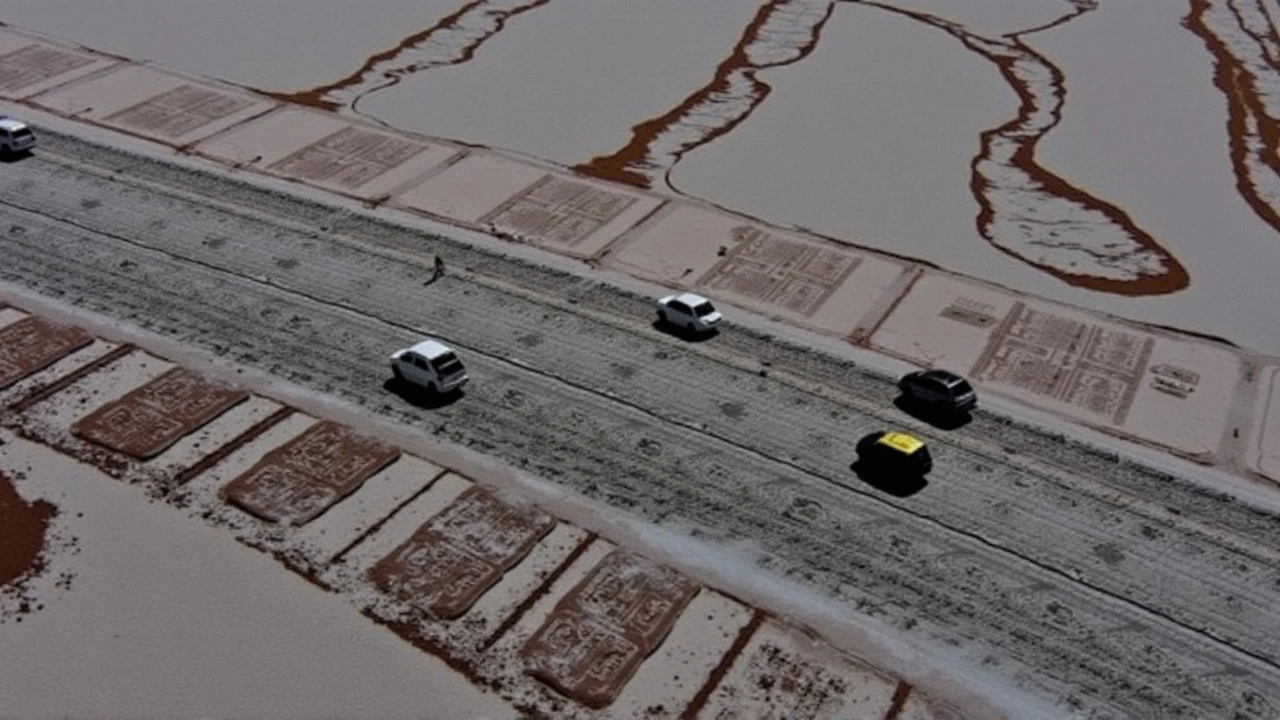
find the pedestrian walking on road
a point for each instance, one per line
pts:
(439, 269)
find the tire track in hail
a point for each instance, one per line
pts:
(966, 503)
(374, 302)
(741, 349)
(922, 588)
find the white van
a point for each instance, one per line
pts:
(429, 364)
(15, 136)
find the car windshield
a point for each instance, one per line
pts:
(23, 133)
(962, 388)
(703, 309)
(446, 364)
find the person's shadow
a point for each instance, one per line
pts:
(890, 481)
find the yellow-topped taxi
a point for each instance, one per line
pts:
(897, 451)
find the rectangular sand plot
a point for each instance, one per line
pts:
(772, 269)
(330, 537)
(456, 556)
(496, 530)
(349, 157)
(1091, 366)
(672, 679)
(36, 63)
(148, 420)
(32, 344)
(558, 210)
(602, 630)
(435, 575)
(298, 481)
(179, 111)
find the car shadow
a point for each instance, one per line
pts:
(13, 157)
(938, 419)
(421, 397)
(684, 333)
(897, 484)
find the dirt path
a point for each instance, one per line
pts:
(1102, 586)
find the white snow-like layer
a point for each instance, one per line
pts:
(60, 411)
(1247, 34)
(500, 602)
(403, 524)
(780, 673)
(536, 615)
(154, 615)
(935, 671)
(65, 366)
(670, 678)
(377, 498)
(950, 677)
(201, 494)
(208, 438)
(9, 315)
(503, 658)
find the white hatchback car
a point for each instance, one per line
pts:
(430, 364)
(15, 136)
(688, 311)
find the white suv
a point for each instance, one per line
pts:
(15, 136)
(431, 365)
(689, 312)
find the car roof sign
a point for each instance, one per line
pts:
(901, 442)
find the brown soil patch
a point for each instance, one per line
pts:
(602, 630)
(39, 394)
(32, 344)
(145, 422)
(456, 556)
(22, 533)
(301, 479)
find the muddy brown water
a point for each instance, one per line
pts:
(23, 527)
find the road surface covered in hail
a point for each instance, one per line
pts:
(1089, 582)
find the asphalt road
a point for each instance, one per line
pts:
(1107, 588)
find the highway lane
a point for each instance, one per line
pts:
(1096, 584)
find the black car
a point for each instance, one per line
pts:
(939, 390)
(898, 452)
